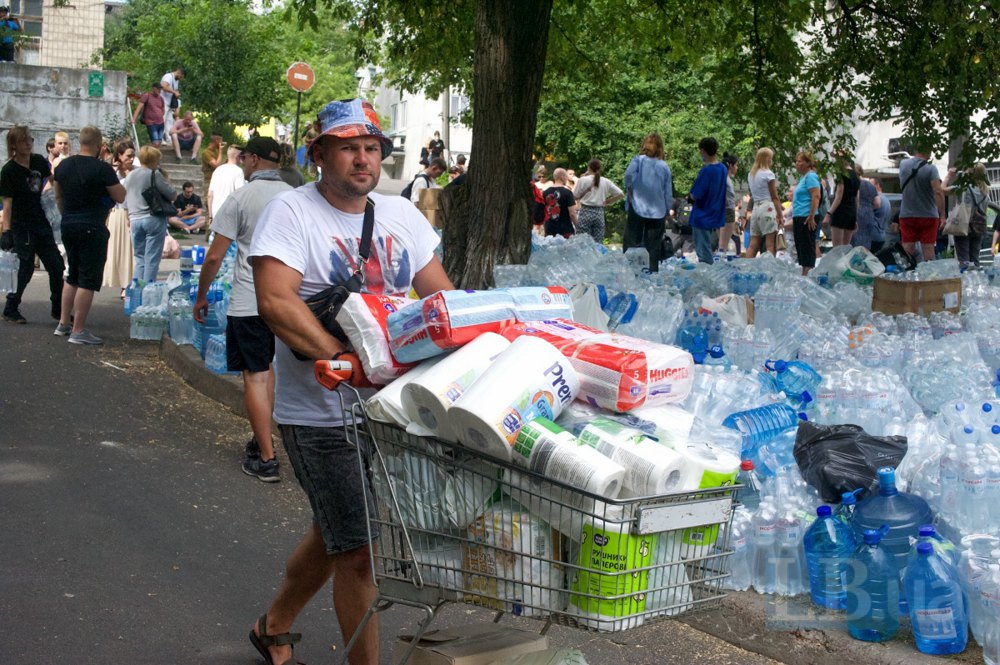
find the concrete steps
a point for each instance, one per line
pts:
(179, 173)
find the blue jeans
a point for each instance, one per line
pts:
(147, 246)
(703, 245)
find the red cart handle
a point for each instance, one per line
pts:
(345, 368)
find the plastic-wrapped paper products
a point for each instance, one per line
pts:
(427, 398)
(608, 559)
(651, 468)
(528, 380)
(513, 552)
(363, 318)
(707, 466)
(549, 450)
(447, 320)
(387, 404)
(565, 509)
(539, 303)
(669, 586)
(617, 373)
(440, 560)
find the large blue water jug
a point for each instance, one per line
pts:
(796, 379)
(902, 513)
(937, 608)
(872, 592)
(829, 546)
(761, 424)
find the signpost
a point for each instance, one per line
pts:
(301, 77)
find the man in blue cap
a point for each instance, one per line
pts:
(308, 240)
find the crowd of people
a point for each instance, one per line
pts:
(846, 207)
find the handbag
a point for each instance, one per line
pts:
(327, 303)
(957, 223)
(158, 205)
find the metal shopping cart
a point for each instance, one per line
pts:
(454, 525)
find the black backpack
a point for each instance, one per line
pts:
(408, 190)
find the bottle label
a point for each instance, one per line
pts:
(936, 624)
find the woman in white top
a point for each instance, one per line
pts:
(594, 193)
(767, 213)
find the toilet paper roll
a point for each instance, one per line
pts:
(387, 404)
(427, 399)
(651, 468)
(708, 466)
(549, 450)
(528, 380)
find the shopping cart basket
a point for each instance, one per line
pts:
(454, 525)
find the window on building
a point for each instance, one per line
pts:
(398, 117)
(459, 106)
(30, 14)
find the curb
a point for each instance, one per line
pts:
(788, 630)
(187, 363)
(807, 635)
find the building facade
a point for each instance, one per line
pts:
(61, 36)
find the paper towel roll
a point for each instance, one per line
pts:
(651, 468)
(549, 450)
(427, 399)
(708, 466)
(530, 379)
(387, 406)
(669, 584)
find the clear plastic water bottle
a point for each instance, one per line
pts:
(989, 604)
(872, 591)
(9, 264)
(973, 566)
(937, 607)
(949, 479)
(133, 295)
(693, 338)
(717, 358)
(902, 513)
(750, 494)
(996, 384)
(791, 574)
(740, 577)
(972, 511)
(829, 545)
(761, 424)
(763, 529)
(214, 325)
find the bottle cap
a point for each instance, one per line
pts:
(850, 498)
(927, 530)
(780, 366)
(823, 511)
(716, 351)
(873, 536)
(995, 429)
(746, 465)
(968, 429)
(987, 407)
(924, 548)
(960, 406)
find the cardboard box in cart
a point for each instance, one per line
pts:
(896, 297)
(478, 644)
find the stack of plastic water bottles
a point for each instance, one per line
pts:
(8, 272)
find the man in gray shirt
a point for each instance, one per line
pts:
(921, 211)
(249, 342)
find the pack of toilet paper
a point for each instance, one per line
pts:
(447, 320)
(616, 372)
(364, 319)
(541, 303)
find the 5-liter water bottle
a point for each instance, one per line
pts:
(796, 379)
(989, 605)
(763, 548)
(750, 494)
(902, 513)
(943, 547)
(872, 591)
(761, 424)
(973, 566)
(717, 358)
(133, 295)
(740, 577)
(937, 606)
(829, 545)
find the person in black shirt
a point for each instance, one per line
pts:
(86, 189)
(190, 211)
(559, 207)
(25, 230)
(436, 147)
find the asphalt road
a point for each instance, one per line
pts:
(129, 534)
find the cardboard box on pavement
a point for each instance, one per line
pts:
(896, 297)
(477, 644)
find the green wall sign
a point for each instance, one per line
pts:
(95, 84)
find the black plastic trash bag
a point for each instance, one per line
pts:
(841, 458)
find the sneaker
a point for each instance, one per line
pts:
(266, 471)
(252, 449)
(85, 337)
(14, 316)
(63, 330)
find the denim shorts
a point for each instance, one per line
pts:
(326, 466)
(155, 133)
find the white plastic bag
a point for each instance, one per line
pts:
(587, 307)
(731, 308)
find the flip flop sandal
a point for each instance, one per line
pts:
(263, 641)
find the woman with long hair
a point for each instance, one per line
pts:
(767, 215)
(649, 191)
(977, 196)
(594, 193)
(118, 267)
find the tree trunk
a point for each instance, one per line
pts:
(488, 219)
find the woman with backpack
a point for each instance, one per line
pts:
(976, 195)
